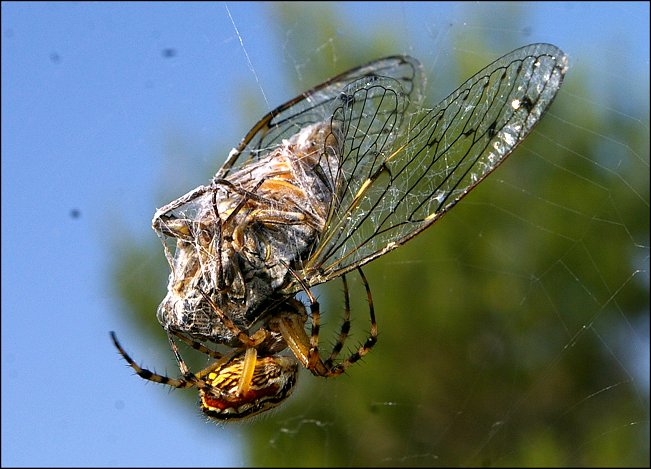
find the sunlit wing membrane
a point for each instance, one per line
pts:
(317, 105)
(389, 193)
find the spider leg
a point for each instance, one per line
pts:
(290, 324)
(243, 337)
(150, 375)
(293, 331)
(198, 378)
(246, 195)
(345, 327)
(370, 341)
(195, 344)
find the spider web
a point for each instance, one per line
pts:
(485, 318)
(514, 330)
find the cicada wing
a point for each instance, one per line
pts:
(388, 194)
(317, 105)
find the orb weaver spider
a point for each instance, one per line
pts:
(255, 378)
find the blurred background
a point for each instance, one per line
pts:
(515, 331)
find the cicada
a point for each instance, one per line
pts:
(320, 186)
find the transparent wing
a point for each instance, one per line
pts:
(388, 195)
(317, 105)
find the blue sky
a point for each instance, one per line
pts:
(91, 111)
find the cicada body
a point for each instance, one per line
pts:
(322, 185)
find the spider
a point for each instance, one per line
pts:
(238, 384)
(255, 377)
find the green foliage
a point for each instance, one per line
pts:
(504, 327)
